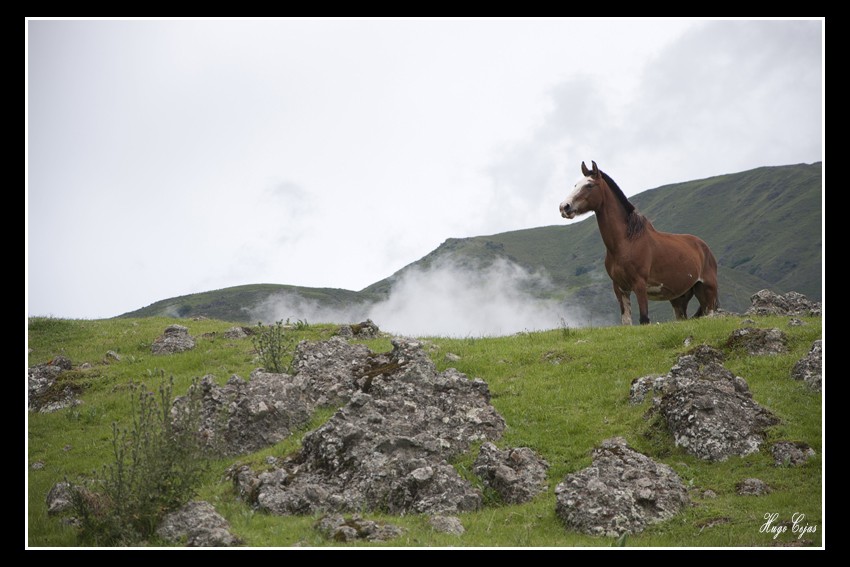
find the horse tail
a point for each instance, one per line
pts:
(706, 289)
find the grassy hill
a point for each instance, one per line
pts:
(764, 225)
(561, 392)
(236, 303)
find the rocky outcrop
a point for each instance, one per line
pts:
(331, 371)
(757, 342)
(710, 412)
(59, 498)
(337, 528)
(238, 332)
(752, 487)
(809, 369)
(197, 524)
(245, 416)
(175, 338)
(45, 391)
(363, 330)
(644, 386)
(387, 448)
(766, 302)
(517, 475)
(623, 491)
(447, 525)
(241, 417)
(791, 453)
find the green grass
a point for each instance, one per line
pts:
(561, 392)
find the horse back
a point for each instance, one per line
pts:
(677, 249)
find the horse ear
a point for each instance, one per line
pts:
(584, 170)
(595, 169)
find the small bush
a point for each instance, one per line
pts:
(274, 344)
(158, 464)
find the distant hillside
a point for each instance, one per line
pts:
(236, 303)
(764, 226)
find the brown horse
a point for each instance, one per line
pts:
(654, 265)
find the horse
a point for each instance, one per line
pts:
(655, 265)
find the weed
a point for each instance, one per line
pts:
(566, 331)
(273, 344)
(158, 463)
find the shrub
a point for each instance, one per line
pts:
(273, 345)
(158, 464)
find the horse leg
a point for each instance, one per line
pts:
(625, 305)
(643, 303)
(680, 304)
(706, 293)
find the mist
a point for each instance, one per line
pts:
(446, 300)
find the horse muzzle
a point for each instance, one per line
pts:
(567, 211)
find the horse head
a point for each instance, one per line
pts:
(584, 198)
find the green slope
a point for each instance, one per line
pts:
(236, 303)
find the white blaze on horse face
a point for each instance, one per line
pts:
(574, 204)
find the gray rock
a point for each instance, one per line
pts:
(174, 339)
(447, 525)
(337, 528)
(238, 332)
(752, 487)
(622, 491)
(39, 379)
(45, 392)
(363, 330)
(766, 302)
(710, 411)
(245, 416)
(345, 332)
(517, 475)
(241, 417)
(62, 362)
(387, 448)
(790, 453)
(645, 385)
(59, 498)
(331, 371)
(197, 524)
(758, 342)
(810, 368)
(687, 368)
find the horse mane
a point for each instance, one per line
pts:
(635, 222)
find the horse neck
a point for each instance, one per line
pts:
(613, 222)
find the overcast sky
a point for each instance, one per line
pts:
(168, 157)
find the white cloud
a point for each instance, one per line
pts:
(446, 299)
